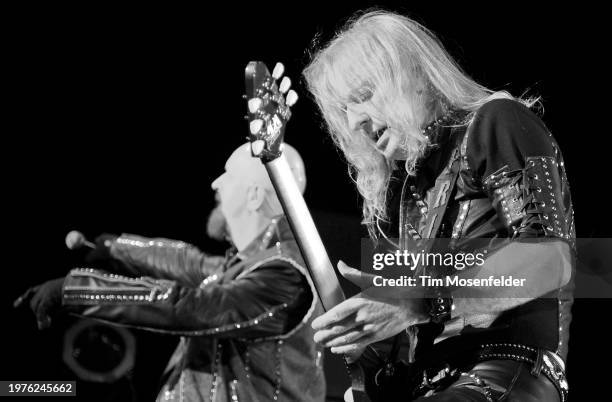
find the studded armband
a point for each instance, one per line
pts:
(534, 201)
(85, 286)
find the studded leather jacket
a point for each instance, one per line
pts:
(511, 184)
(244, 319)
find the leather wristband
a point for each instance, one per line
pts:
(439, 308)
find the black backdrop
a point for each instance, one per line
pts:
(120, 118)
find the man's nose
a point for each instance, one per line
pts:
(215, 184)
(356, 118)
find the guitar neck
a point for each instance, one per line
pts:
(305, 232)
(312, 248)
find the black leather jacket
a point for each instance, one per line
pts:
(244, 321)
(511, 185)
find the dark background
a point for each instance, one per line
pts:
(120, 118)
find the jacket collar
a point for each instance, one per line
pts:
(278, 230)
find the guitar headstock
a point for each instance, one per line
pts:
(269, 108)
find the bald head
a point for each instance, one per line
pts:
(250, 169)
(245, 191)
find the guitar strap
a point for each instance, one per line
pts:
(393, 375)
(438, 201)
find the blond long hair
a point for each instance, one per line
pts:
(404, 62)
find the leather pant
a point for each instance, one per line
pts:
(497, 380)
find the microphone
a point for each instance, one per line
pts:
(76, 240)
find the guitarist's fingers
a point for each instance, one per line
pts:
(354, 350)
(346, 339)
(327, 334)
(337, 313)
(359, 278)
(354, 355)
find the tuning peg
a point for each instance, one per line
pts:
(255, 126)
(278, 71)
(254, 104)
(285, 85)
(292, 97)
(257, 147)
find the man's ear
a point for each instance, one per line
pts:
(256, 195)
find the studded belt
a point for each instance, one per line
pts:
(542, 361)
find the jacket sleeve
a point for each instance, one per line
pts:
(266, 302)
(165, 258)
(520, 167)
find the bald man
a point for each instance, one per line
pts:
(244, 319)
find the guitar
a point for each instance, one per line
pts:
(269, 111)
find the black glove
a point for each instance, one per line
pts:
(45, 300)
(102, 251)
(101, 257)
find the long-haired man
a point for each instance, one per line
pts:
(434, 154)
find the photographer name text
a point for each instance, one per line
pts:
(451, 280)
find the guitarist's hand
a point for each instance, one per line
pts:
(368, 317)
(359, 278)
